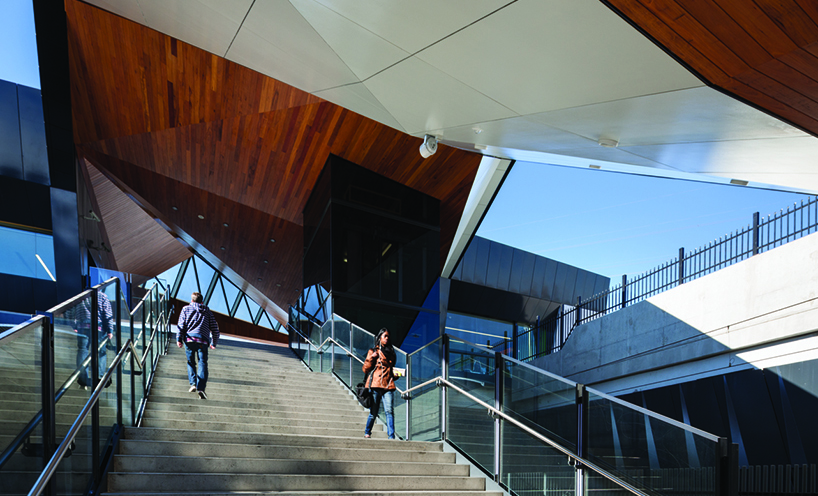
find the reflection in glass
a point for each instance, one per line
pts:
(543, 400)
(531, 467)
(646, 450)
(27, 254)
(21, 394)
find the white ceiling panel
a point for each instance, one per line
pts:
(430, 99)
(363, 52)
(195, 21)
(536, 56)
(129, 9)
(742, 159)
(277, 41)
(692, 115)
(358, 98)
(522, 133)
(413, 25)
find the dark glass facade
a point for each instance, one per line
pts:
(375, 244)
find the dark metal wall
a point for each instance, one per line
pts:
(501, 282)
(769, 413)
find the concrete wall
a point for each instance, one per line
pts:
(758, 313)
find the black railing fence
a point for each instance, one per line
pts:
(763, 234)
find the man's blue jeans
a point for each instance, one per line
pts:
(381, 394)
(196, 375)
(83, 350)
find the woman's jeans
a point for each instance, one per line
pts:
(385, 395)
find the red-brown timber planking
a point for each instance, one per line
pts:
(764, 52)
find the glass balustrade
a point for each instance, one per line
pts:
(541, 421)
(87, 333)
(21, 378)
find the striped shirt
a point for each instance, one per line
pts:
(196, 323)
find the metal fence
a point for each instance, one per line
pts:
(762, 234)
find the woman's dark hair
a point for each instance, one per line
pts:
(387, 350)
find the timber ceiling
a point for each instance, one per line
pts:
(763, 51)
(179, 127)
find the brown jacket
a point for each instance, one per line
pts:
(382, 376)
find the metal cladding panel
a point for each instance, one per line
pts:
(469, 259)
(601, 283)
(11, 158)
(506, 255)
(560, 294)
(535, 308)
(481, 264)
(66, 249)
(570, 284)
(549, 281)
(579, 285)
(590, 284)
(458, 272)
(493, 269)
(32, 135)
(527, 271)
(537, 277)
(515, 277)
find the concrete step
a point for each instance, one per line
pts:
(315, 493)
(280, 466)
(118, 481)
(279, 410)
(295, 452)
(205, 419)
(328, 430)
(252, 403)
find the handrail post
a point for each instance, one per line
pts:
(681, 266)
(133, 378)
(94, 337)
(444, 371)
(408, 403)
(49, 402)
(755, 233)
(624, 290)
(498, 404)
(582, 437)
(144, 350)
(118, 314)
(727, 468)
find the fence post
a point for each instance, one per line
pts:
(681, 265)
(755, 233)
(444, 369)
(624, 290)
(727, 468)
(94, 349)
(582, 437)
(578, 319)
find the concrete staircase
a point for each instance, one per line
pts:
(270, 426)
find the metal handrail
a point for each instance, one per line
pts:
(20, 327)
(53, 463)
(351, 354)
(495, 413)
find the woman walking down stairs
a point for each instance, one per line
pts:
(270, 426)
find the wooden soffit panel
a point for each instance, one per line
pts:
(186, 128)
(138, 243)
(762, 51)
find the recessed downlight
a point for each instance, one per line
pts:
(201, 216)
(272, 240)
(225, 224)
(175, 208)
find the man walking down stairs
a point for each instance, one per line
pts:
(270, 426)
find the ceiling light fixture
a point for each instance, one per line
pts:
(175, 208)
(225, 224)
(223, 248)
(477, 130)
(201, 216)
(265, 261)
(739, 182)
(592, 166)
(272, 240)
(608, 143)
(429, 146)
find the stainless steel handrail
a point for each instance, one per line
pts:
(351, 354)
(53, 463)
(441, 382)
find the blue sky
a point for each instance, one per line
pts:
(18, 44)
(614, 223)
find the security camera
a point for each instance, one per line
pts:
(429, 146)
